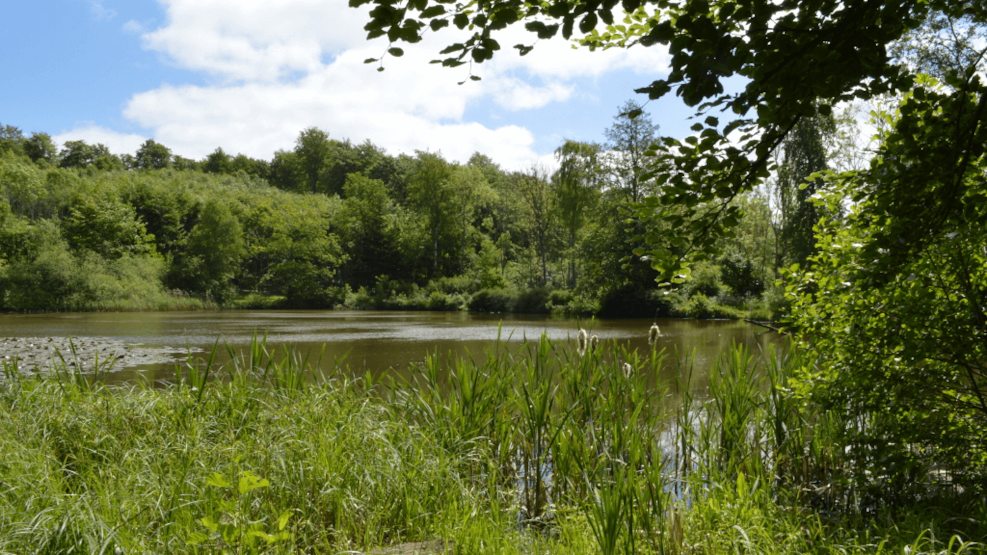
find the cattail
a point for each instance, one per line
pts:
(581, 342)
(653, 334)
(594, 342)
(628, 370)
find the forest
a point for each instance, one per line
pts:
(330, 223)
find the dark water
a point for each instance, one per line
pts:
(372, 341)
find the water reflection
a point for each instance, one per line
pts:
(373, 341)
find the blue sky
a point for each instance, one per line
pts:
(248, 75)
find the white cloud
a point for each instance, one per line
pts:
(101, 12)
(133, 27)
(118, 143)
(281, 67)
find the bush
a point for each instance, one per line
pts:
(635, 301)
(779, 306)
(492, 300)
(526, 301)
(739, 275)
(532, 301)
(441, 301)
(699, 307)
(705, 279)
(452, 284)
(559, 297)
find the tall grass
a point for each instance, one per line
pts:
(532, 451)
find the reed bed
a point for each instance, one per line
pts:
(548, 449)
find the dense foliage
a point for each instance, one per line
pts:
(891, 295)
(531, 450)
(330, 223)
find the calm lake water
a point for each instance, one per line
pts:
(372, 341)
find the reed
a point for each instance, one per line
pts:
(536, 450)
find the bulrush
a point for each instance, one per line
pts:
(581, 342)
(594, 342)
(628, 370)
(653, 334)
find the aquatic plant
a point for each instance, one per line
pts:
(653, 334)
(530, 450)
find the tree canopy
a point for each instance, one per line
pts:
(799, 57)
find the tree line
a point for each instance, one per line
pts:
(330, 223)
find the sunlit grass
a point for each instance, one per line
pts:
(535, 451)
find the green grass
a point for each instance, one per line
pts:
(534, 451)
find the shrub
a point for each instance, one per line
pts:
(441, 301)
(699, 307)
(739, 275)
(635, 301)
(705, 279)
(492, 300)
(559, 297)
(532, 301)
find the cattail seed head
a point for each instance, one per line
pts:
(594, 342)
(653, 334)
(628, 370)
(581, 342)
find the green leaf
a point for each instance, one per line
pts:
(396, 52)
(434, 11)
(209, 522)
(196, 538)
(217, 480)
(457, 47)
(249, 481)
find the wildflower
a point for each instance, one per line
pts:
(594, 342)
(581, 342)
(653, 334)
(628, 370)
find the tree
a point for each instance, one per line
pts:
(430, 188)
(290, 251)
(107, 227)
(900, 338)
(942, 44)
(152, 156)
(285, 172)
(577, 183)
(250, 166)
(11, 138)
(217, 162)
(39, 146)
(76, 154)
(471, 193)
(804, 154)
(535, 188)
(366, 231)
(630, 136)
(798, 58)
(609, 268)
(214, 250)
(312, 150)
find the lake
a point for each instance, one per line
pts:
(373, 341)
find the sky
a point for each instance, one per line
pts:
(249, 75)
